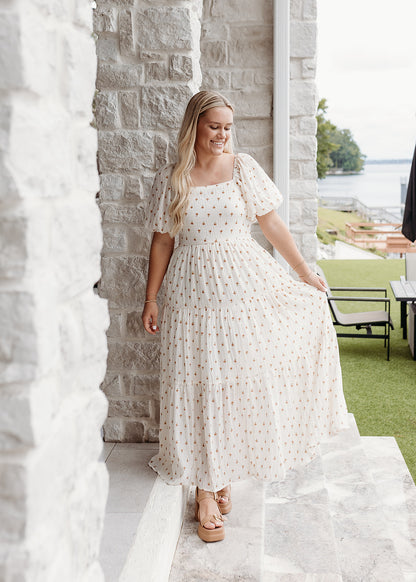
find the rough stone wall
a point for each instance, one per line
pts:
(148, 68)
(52, 326)
(303, 105)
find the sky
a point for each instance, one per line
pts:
(367, 72)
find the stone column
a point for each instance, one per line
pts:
(303, 144)
(148, 68)
(52, 326)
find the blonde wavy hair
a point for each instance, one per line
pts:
(181, 182)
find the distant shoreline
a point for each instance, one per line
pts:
(400, 161)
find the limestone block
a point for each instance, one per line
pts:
(140, 356)
(75, 245)
(111, 187)
(151, 434)
(13, 484)
(302, 147)
(18, 337)
(156, 72)
(129, 408)
(118, 430)
(296, 9)
(124, 150)
(134, 325)
(84, 170)
(106, 110)
(13, 245)
(251, 46)
(116, 213)
(296, 216)
(129, 109)
(164, 106)
(87, 501)
(310, 9)
(302, 189)
(309, 68)
(255, 132)
(309, 171)
(295, 170)
(175, 32)
(139, 240)
(161, 150)
(214, 53)
(264, 77)
(110, 76)
(302, 39)
(112, 386)
(240, 79)
(214, 30)
(310, 212)
(252, 103)
(239, 10)
(310, 245)
(15, 419)
(180, 68)
(216, 79)
(11, 58)
(80, 64)
(115, 238)
(133, 189)
(302, 97)
(296, 68)
(105, 18)
(126, 32)
(308, 125)
(294, 125)
(107, 49)
(123, 280)
(141, 385)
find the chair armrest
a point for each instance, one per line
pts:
(375, 289)
(374, 299)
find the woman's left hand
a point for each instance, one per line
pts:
(314, 280)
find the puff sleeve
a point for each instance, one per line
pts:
(260, 192)
(157, 212)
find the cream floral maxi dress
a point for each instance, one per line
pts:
(250, 374)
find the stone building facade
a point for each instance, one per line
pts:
(152, 56)
(52, 325)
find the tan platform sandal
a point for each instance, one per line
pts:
(224, 506)
(208, 535)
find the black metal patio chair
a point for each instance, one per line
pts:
(363, 319)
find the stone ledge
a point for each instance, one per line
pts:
(143, 517)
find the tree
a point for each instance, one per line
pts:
(348, 155)
(326, 143)
(336, 147)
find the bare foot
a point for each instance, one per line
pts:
(225, 495)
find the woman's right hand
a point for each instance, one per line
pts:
(149, 317)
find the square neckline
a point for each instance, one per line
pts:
(220, 183)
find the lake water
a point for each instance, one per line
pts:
(378, 185)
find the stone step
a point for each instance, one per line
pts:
(348, 516)
(143, 516)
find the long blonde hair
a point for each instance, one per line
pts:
(181, 176)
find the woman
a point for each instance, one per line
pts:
(250, 376)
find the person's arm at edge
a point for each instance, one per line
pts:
(277, 233)
(160, 253)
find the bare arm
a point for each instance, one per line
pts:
(277, 233)
(160, 252)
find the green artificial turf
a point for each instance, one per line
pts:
(380, 394)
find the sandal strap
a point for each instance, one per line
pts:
(201, 494)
